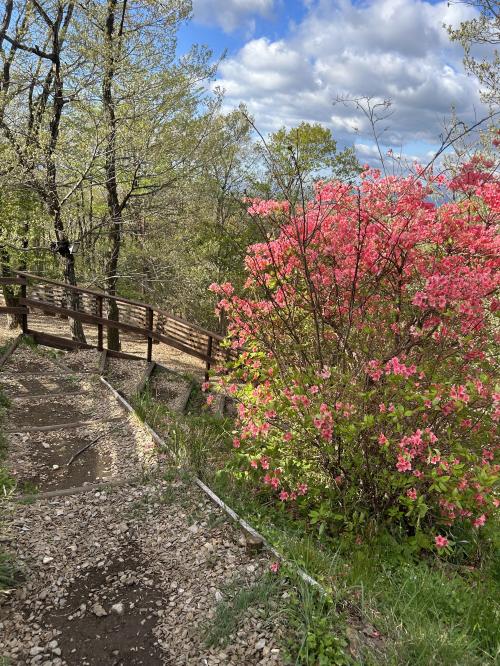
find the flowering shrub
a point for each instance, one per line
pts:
(366, 388)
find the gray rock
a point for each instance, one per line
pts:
(98, 610)
(118, 608)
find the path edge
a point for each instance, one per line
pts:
(246, 527)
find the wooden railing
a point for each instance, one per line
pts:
(90, 306)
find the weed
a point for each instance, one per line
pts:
(10, 574)
(230, 612)
(318, 628)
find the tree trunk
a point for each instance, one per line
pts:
(11, 298)
(112, 43)
(52, 195)
(14, 320)
(76, 327)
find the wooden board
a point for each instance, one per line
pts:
(10, 350)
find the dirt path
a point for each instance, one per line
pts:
(127, 575)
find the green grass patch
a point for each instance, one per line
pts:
(238, 599)
(7, 483)
(10, 574)
(198, 441)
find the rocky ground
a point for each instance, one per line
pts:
(131, 575)
(126, 575)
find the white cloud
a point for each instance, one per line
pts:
(231, 14)
(395, 49)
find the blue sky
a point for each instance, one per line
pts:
(213, 24)
(288, 60)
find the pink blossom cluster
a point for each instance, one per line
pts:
(264, 207)
(367, 334)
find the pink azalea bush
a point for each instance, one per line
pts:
(366, 388)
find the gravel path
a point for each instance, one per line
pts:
(128, 577)
(123, 576)
(38, 456)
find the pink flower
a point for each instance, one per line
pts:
(274, 567)
(374, 370)
(302, 489)
(403, 465)
(284, 495)
(325, 373)
(479, 522)
(210, 399)
(382, 439)
(236, 443)
(440, 541)
(264, 463)
(412, 493)
(287, 436)
(459, 393)
(205, 386)
(254, 464)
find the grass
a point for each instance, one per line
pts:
(9, 573)
(426, 610)
(197, 441)
(6, 482)
(238, 599)
(385, 604)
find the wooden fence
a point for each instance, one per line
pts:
(93, 307)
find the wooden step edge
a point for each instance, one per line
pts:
(49, 396)
(103, 361)
(184, 398)
(10, 350)
(61, 426)
(148, 371)
(77, 490)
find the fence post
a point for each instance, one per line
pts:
(209, 357)
(149, 324)
(100, 342)
(24, 316)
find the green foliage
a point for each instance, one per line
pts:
(7, 483)
(427, 611)
(295, 157)
(192, 440)
(9, 573)
(482, 29)
(319, 629)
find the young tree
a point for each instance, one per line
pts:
(479, 38)
(149, 99)
(35, 90)
(295, 157)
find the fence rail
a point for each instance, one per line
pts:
(97, 308)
